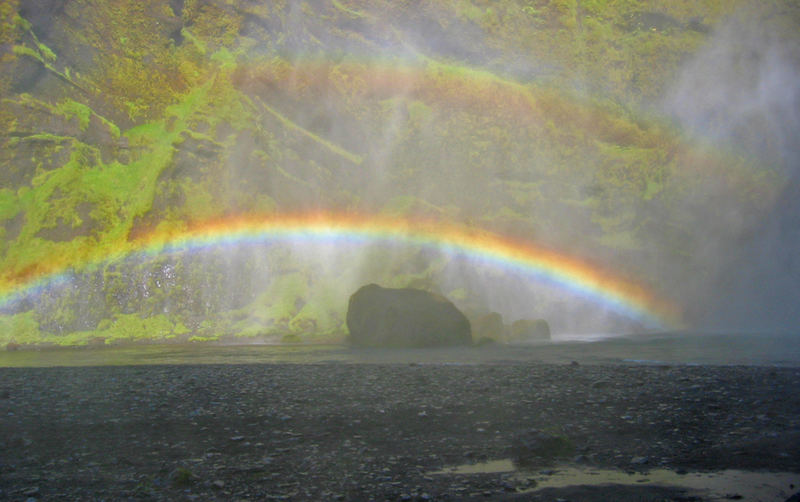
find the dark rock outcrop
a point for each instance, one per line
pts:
(530, 329)
(385, 317)
(489, 327)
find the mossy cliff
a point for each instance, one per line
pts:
(535, 119)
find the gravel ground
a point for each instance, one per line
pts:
(381, 431)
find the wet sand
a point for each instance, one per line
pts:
(393, 431)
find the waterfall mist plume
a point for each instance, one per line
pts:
(741, 93)
(656, 149)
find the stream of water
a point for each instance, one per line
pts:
(729, 484)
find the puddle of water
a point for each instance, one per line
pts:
(714, 486)
(490, 467)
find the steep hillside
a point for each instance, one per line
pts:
(541, 121)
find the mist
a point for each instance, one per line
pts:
(382, 250)
(544, 125)
(740, 92)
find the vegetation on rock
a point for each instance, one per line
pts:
(121, 119)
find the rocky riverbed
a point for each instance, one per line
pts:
(334, 431)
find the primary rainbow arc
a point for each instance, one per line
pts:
(602, 288)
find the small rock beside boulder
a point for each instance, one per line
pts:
(489, 327)
(530, 329)
(404, 317)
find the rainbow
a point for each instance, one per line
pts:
(578, 277)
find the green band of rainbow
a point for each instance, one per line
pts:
(603, 288)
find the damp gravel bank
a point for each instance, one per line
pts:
(343, 431)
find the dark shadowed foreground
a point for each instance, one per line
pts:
(333, 431)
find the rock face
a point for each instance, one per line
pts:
(384, 317)
(530, 329)
(489, 327)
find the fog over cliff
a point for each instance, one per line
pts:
(740, 92)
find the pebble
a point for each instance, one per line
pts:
(135, 431)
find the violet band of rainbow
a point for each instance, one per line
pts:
(600, 287)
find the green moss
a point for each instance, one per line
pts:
(199, 203)
(470, 11)
(196, 42)
(46, 52)
(46, 57)
(654, 187)
(20, 22)
(9, 206)
(283, 297)
(251, 328)
(43, 52)
(202, 339)
(180, 329)
(118, 193)
(224, 57)
(546, 156)
(146, 134)
(83, 113)
(322, 314)
(19, 329)
(132, 327)
(21, 50)
(334, 148)
(418, 111)
(350, 12)
(458, 295)
(24, 329)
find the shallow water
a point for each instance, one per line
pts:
(713, 486)
(665, 348)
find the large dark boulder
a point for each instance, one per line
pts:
(384, 317)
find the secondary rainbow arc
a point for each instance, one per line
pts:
(600, 287)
